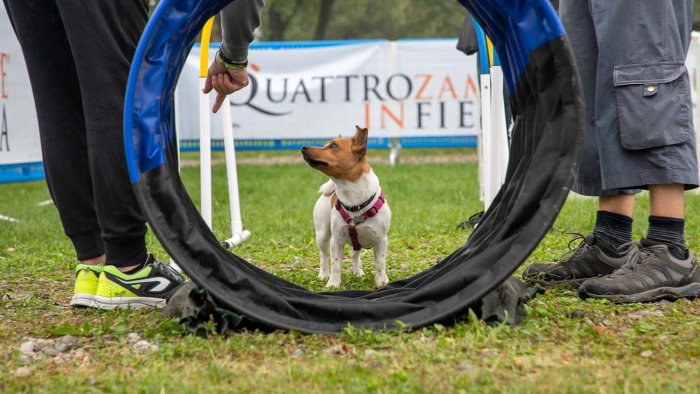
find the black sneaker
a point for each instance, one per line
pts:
(586, 261)
(651, 274)
(151, 286)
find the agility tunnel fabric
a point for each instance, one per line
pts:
(547, 108)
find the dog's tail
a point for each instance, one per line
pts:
(327, 188)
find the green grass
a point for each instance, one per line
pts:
(633, 348)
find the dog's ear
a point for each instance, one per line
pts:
(359, 141)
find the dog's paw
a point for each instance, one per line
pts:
(323, 275)
(381, 281)
(333, 283)
(358, 272)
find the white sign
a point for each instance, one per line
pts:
(20, 150)
(397, 89)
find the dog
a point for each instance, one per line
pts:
(351, 209)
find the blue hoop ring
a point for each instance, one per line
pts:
(548, 114)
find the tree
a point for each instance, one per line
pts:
(392, 19)
(279, 15)
(324, 16)
(362, 19)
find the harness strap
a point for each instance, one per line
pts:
(357, 220)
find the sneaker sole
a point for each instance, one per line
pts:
(128, 302)
(573, 283)
(82, 301)
(669, 293)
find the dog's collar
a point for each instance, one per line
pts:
(356, 208)
(352, 222)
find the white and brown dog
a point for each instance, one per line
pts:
(352, 208)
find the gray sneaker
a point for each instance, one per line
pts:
(586, 261)
(651, 274)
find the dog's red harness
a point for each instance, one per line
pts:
(353, 222)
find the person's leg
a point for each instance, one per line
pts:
(621, 204)
(62, 133)
(613, 225)
(643, 107)
(667, 220)
(102, 70)
(651, 143)
(667, 200)
(130, 277)
(61, 122)
(597, 254)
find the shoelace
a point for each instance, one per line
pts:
(566, 257)
(636, 255)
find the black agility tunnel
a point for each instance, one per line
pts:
(548, 123)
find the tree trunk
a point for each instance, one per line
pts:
(324, 16)
(278, 23)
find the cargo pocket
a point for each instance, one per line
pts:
(653, 104)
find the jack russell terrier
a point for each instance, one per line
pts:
(352, 208)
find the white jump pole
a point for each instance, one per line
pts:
(499, 149)
(238, 235)
(205, 129)
(205, 157)
(493, 143)
(176, 108)
(485, 137)
(494, 137)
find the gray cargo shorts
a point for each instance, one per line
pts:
(639, 119)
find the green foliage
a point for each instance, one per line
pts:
(285, 20)
(361, 19)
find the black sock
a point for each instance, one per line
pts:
(612, 230)
(668, 231)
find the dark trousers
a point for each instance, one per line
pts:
(78, 54)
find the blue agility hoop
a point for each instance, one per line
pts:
(548, 123)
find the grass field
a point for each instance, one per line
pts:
(565, 345)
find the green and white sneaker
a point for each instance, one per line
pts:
(151, 286)
(86, 278)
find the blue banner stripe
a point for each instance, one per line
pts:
(466, 141)
(21, 172)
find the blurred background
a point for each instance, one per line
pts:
(302, 20)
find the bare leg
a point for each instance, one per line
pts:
(667, 200)
(622, 204)
(94, 261)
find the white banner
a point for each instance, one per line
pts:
(404, 88)
(19, 132)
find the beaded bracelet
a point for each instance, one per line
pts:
(229, 64)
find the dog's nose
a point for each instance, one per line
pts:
(304, 148)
